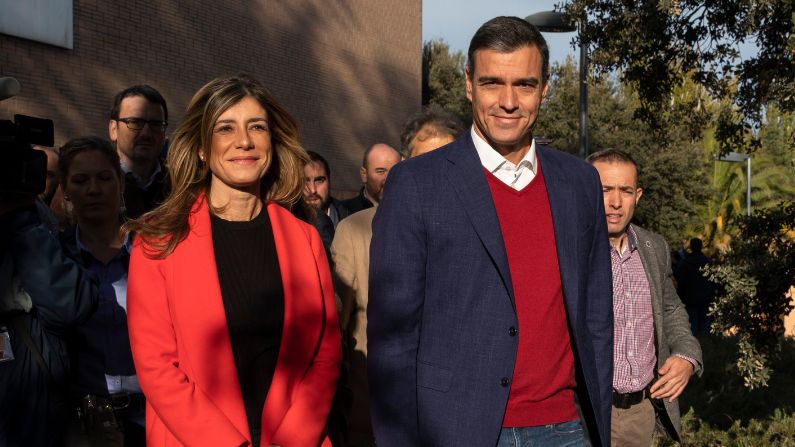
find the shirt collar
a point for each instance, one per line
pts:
(493, 160)
(126, 245)
(138, 180)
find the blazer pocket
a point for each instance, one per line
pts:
(433, 377)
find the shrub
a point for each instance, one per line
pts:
(754, 278)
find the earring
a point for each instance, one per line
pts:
(66, 197)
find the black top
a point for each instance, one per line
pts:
(356, 203)
(251, 286)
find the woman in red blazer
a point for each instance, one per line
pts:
(220, 271)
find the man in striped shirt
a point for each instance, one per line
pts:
(654, 353)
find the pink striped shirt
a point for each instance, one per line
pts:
(634, 353)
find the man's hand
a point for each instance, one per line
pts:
(674, 375)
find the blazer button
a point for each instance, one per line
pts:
(504, 381)
(512, 331)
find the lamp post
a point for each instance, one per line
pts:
(554, 22)
(736, 157)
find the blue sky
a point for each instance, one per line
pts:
(456, 21)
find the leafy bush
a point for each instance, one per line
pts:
(754, 278)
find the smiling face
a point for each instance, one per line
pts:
(240, 150)
(621, 196)
(93, 187)
(506, 90)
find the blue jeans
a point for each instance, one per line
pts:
(565, 434)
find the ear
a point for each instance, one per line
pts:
(468, 84)
(363, 174)
(113, 129)
(545, 91)
(638, 193)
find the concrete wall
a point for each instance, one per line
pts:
(349, 71)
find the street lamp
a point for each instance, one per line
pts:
(554, 22)
(736, 157)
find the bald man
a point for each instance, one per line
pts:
(377, 162)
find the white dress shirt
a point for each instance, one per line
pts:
(517, 176)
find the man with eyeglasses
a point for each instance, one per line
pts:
(138, 121)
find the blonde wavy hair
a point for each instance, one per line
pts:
(163, 228)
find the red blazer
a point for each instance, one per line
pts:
(183, 356)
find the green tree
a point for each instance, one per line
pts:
(673, 168)
(443, 81)
(772, 173)
(656, 45)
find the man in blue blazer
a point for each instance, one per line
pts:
(490, 301)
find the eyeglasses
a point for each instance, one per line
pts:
(139, 123)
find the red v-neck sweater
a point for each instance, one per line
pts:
(542, 389)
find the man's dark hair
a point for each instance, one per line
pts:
(144, 90)
(439, 122)
(505, 35)
(613, 156)
(696, 245)
(315, 157)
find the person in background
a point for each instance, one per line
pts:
(232, 318)
(430, 128)
(104, 374)
(44, 295)
(51, 184)
(376, 163)
(697, 292)
(137, 125)
(654, 354)
(350, 251)
(317, 188)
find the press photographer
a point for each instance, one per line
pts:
(43, 293)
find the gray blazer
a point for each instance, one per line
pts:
(671, 326)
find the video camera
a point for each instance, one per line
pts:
(23, 170)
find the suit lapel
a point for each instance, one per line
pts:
(467, 178)
(201, 318)
(564, 220)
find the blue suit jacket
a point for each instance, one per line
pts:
(441, 298)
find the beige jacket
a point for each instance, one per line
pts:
(350, 252)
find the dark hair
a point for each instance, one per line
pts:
(77, 146)
(696, 245)
(314, 156)
(436, 121)
(507, 34)
(611, 156)
(144, 90)
(614, 156)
